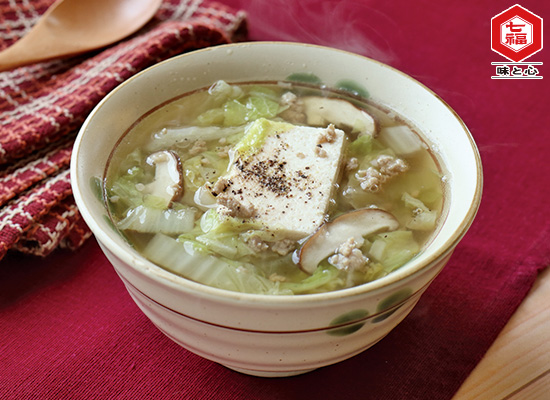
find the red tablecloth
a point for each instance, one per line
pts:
(69, 330)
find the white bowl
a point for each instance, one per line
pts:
(261, 334)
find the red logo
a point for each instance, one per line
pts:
(516, 33)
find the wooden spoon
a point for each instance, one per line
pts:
(71, 27)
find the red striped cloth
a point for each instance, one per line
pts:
(43, 105)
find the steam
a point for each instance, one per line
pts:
(346, 25)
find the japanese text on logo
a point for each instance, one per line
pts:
(516, 34)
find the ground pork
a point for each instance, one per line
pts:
(220, 186)
(257, 244)
(349, 257)
(230, 206)
(389, 166)
(353, 163)
(320, 152)
(328, 135)
(383, 168)
(223, 152)
(283, 247)
(198, 147)
(370, 179)
(276, 278)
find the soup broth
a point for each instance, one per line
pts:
(274, 188)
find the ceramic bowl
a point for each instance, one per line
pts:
(267, 335)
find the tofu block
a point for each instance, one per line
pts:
(286, 183)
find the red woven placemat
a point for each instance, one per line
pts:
(43, 105)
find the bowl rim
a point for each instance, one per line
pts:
(166, 277)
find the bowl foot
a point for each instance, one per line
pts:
(269, 374)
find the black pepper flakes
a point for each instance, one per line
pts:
(269, 174)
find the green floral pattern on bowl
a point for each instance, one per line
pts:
(344, 319)
(392, 302)
(350, 86)
(344, 85)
